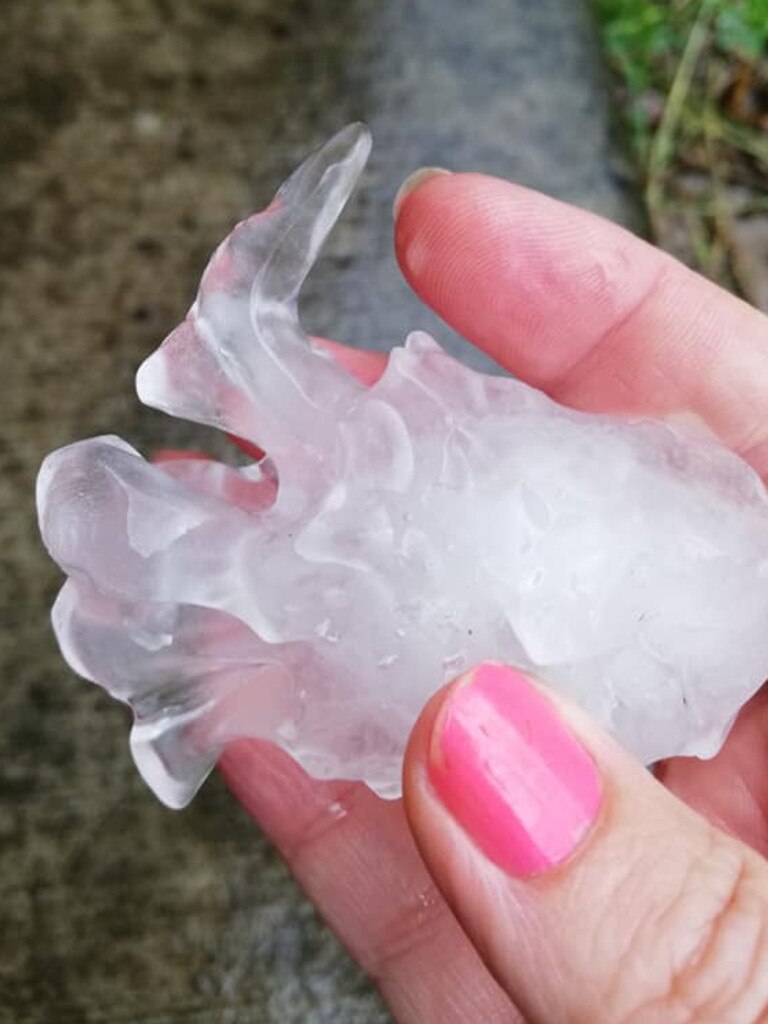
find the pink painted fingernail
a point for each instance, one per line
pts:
(511, 774)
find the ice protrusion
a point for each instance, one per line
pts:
(241, 361)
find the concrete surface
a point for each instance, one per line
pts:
(132, 135)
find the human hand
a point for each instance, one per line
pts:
(596, 895)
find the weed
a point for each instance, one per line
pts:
(693, 84)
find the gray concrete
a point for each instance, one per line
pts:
(132, 135)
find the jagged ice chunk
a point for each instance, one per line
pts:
(395, 536)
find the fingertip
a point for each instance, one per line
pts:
(496, 735)
(414, 181)
(162, 455)
(419, 208)
(365, 365)
(419, 749)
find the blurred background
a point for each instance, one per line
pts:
(133, 133)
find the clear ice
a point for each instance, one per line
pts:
(394, 536)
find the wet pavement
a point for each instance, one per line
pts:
(132, 135)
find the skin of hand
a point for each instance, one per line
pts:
(534, 871)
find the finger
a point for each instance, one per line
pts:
(592, 892)
(367, 366)
(585, 310)
(355, 858)
(165, 455)
(730, 789)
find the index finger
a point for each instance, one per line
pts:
(585, 310)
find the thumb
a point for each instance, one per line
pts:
(592, 893)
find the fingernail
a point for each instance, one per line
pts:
(511, 774)
(412, 182)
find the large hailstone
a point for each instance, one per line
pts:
(395, 536)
